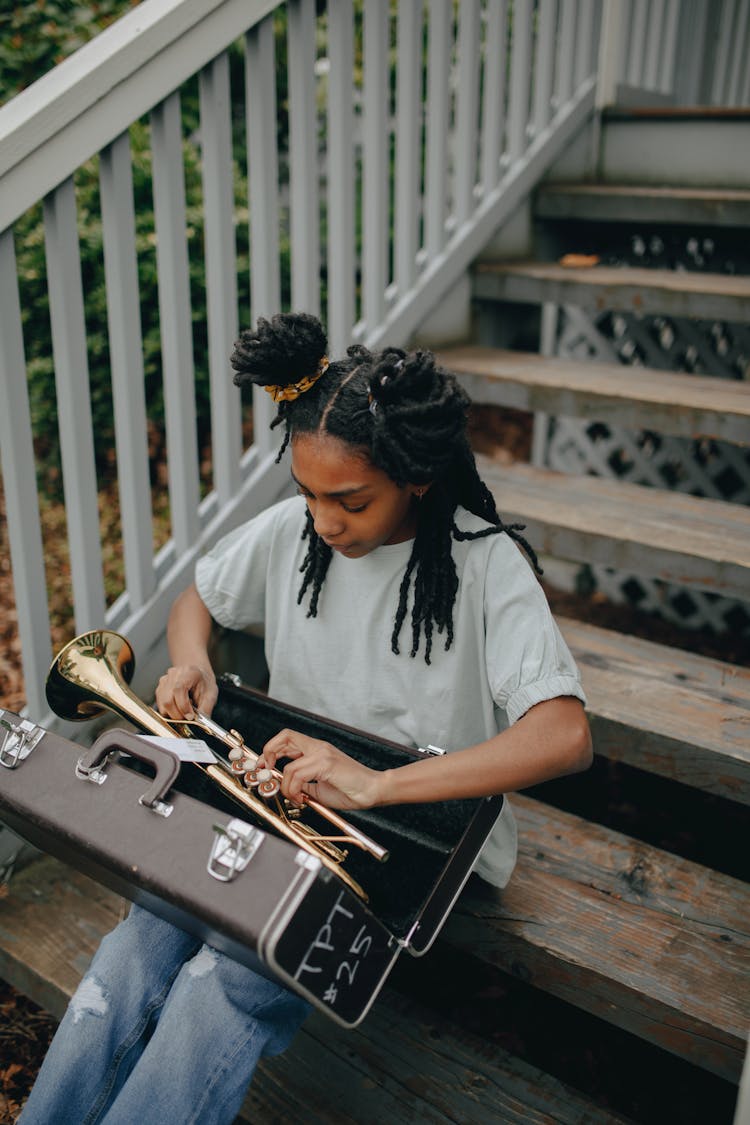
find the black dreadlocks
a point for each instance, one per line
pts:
(409, 417)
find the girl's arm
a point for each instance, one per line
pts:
(550, 740)
(190, 682)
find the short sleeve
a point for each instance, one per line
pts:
(528, 661)
(231, 577)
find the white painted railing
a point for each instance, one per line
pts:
(384, 200)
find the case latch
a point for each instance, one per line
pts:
(436, 751)
(232, 849)
(19, 737)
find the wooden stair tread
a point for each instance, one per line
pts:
(669, 712)
(406, 1063)
(632, 397)
(651, 942)
(673, 536)
(687, 293)
(643, 203)
(51, 922)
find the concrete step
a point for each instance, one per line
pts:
(651, 942)
(703, 296)
(639, 203)
(631, 397)
(704, 544)
(666, 711)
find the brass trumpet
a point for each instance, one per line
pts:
(91, 674)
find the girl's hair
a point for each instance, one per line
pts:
(409, 417)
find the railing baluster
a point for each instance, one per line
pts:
(263, 180)
(375, 163)
(126, 358)
(637, 46)
(544, 65)
(671, 23)
(739, 64)
(745, 90)
(221, 274)
(565, 53)
(722, 54)
(493, 93)
(19, 484)
(408, 143)
(175, 321)
(340, 175)
(584, 31)
(654, 51)
(520, 72)
(438, 110)
(303, 156)
(467, 109)
(74, 404)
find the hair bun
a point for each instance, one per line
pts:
(280, 351)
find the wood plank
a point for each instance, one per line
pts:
(408, 1064)
(404, 1064)
(635, 398)
(653, 943)
(669, 712)
(51, 922)
(704, 296)
(638, 203)
(672, 536)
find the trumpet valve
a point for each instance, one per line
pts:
(267, 783)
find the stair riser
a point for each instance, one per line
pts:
(646, 301)
(588, 206)
(698, 152)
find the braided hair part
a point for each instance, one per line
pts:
(408, 417)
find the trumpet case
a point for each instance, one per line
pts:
(158, 832)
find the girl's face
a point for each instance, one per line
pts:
(355, 506)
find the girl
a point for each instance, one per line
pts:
(393, 599)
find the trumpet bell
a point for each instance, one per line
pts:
(88, 663)
(90, 676)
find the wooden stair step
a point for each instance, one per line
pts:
(651, 942)
(680, 293)
(404, 1063)
(407, 1063)
(51, 922)
(672, 713)
(704, 544)
(632, 397)
(639, 203)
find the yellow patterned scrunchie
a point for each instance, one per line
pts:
(294, 390)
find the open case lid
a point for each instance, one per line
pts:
(432, 847)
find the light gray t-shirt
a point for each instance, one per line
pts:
(507, 653)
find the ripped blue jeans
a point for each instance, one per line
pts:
(161, 1029)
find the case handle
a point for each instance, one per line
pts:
(164, 762)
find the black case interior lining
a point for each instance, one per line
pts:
(420, 838)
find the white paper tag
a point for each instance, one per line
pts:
(186, 749)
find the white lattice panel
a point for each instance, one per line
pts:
(703, 468)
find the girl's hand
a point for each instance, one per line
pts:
(321, 771)
(185, 688)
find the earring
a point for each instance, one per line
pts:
(420, 493)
